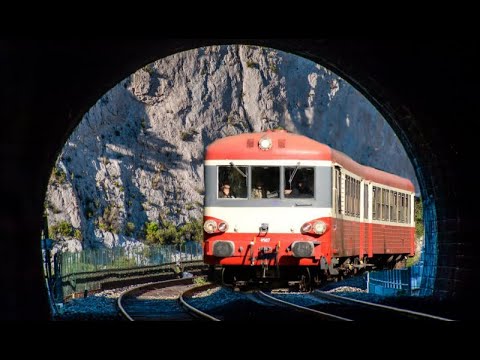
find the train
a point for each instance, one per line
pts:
(301, 212)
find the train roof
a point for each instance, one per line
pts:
(285, 146)
(372, 174)
(290, 146)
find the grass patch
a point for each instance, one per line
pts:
(199, 280)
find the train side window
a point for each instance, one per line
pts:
(382, 202)
(393, 206)
(339, 189)
(407, 209)
(347, 195)
(401, 205)
(357, 198)
(365, 201)
(352, 196)
(377, 203)
(385, 202)
(353, 190)
(236, 177)
(338, 196)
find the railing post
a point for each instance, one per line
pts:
(57, 284)
(409, 282)
(368, 282)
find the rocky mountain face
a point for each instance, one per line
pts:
(137, 154)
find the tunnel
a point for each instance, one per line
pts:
(424, 89)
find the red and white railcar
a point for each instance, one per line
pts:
(300, 207)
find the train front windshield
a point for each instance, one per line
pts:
(267, 182)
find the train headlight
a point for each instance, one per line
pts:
(265, 143)
(306, 228)
(223, 226)
(223, 248)
(302, 249)
(319, 227)
(210, 226)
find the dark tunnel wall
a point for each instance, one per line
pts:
(425, 90)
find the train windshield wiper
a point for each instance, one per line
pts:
(293, 175)
(238, 169)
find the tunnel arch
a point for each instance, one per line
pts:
(68, 80)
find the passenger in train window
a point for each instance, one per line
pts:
(299, 190)
(225, 191)
(290, 192)
(257, 191)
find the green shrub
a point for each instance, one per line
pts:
(419, 229)
(188, 135)
(152, 233)
(168, 233)
(63, 229)
(150, 68)
(58, 175)
(109, 221)
(156, 181)
(199, 281)
(230, 120)
(77, 234)
(192, 231)
(129, 228)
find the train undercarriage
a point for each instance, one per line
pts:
(302, 278)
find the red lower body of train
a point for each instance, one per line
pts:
(346, 247)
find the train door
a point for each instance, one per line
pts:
(338, 211)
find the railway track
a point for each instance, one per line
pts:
(317, 313)
(192, 309)
(176, 300)
(229, 305)
(381, 310)
(159, 301)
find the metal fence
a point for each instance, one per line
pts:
(94, 260)
(395, 282)
(415, 278)
(90, 269)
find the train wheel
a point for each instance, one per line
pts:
(228, 277)
(318, 279)
(211, 273)
(305, 283)
(223, 276)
